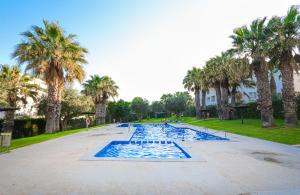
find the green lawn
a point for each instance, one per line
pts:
(251, 128)
(17, 143)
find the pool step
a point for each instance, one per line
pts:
(151, 142)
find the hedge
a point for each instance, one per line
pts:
(27, 127)
(252, 112)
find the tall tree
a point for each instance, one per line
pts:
(239, 73)
(211, 71)
(101, 89)
(73, 104)
(55, 57)
(192, 82)
(119, 110)
(272, 84)
(140, 107)
(217, 71)
(157, 107)
(253, 42)
(285, 38)
(17, 88)
(178, 102)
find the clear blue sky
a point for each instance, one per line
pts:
(146, 46)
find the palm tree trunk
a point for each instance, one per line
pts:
(53, 107)
(272, 84)
(204, 114)
(288, 90)
(100, 113)
(197, 102)
(224, 100)
(233, 96)
(233, 102)
(103, 113)
(264, 92)
(9, 123)
(203, 100)
(218, 94)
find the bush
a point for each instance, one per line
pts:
(212, 110)
(27, 127)
(190, 111)
(253, 112)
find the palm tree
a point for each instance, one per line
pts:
(17, 88)
(217, 71)
(253, 42)
(192, 82)
(239, 73)
(101, 89)
(55, 57)
(285, 38)
(211, 72)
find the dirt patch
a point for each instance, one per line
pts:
(102, 134)
(267, 156)
(270, 159)
(265, 153)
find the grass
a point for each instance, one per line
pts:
(251, 128)
(17, 143)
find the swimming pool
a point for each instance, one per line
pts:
(169, 132)
(143, 149)
(154, 141)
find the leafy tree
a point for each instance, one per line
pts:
(157, 107)
(57, 58)
(119, 110)
(16, 87)
(193, 82)
(178, 102)
(253, 41)
(73, 105)
(239, 74)
(284, 40)
(140, 107)
(101, 89)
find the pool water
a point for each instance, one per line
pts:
(154, 141)
(169, 132)
(126, 149)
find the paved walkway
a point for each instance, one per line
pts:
(244, 165)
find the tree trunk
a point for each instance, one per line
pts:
(272, 84)
(8, 123)
(100, 113)
(203, 100)
(264, 92)
(224, 100)
(9, 117)
(233, 96)
(288, 91)
(197, 103)
(233, 102)
(218, 95)
(53, 107)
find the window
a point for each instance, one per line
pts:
(208, 99)
(213, 98)
(207, 92)
(252, 95)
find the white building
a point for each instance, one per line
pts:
(250, 94)
(30, 109)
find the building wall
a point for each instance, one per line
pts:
(30, 109)
(297, 82)
(250, 94)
